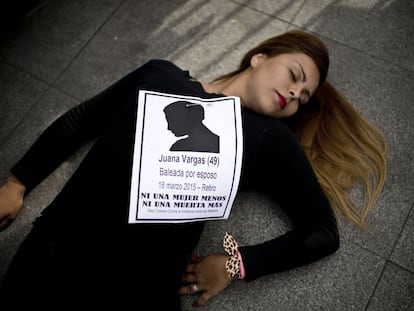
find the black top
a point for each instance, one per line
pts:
(273, 163)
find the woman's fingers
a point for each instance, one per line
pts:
(5, 222)
(194, 288)
(189, 289)
(206, 296)
(190, 268)
(189, 278)
(207, 277)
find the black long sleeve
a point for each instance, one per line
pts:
(276, 165)
(77, 126)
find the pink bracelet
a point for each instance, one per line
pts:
(242, 271)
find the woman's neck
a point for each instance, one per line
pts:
(229, 87)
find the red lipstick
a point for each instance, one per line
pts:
(282, 101)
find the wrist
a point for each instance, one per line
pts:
(16, 184)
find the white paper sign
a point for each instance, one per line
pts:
(187, 158)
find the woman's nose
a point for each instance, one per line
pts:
(292, 93)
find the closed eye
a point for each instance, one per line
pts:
(292, 75)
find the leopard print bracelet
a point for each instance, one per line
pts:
(233, 263)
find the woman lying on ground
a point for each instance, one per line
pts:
(304, 145)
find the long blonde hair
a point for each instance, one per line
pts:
(344, 149)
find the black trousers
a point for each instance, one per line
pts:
(137, 266)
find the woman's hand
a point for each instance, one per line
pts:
(207, 275)
(11, 200)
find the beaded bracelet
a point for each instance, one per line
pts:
(233, 263)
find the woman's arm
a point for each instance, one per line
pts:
(274, 164)
(280, 168)
(80, 124)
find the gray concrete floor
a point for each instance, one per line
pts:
(65, 51)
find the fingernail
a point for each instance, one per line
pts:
(195, 305)
(194, 257)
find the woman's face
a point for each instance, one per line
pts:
(277, 85)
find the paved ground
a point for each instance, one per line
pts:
(65, 51)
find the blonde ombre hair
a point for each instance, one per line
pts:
(344, 149)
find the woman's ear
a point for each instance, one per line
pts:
(257, 59)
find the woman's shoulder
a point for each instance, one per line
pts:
(263, 123)
(166, 76)
(164, 65)
(266, 134)
(162, 70)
